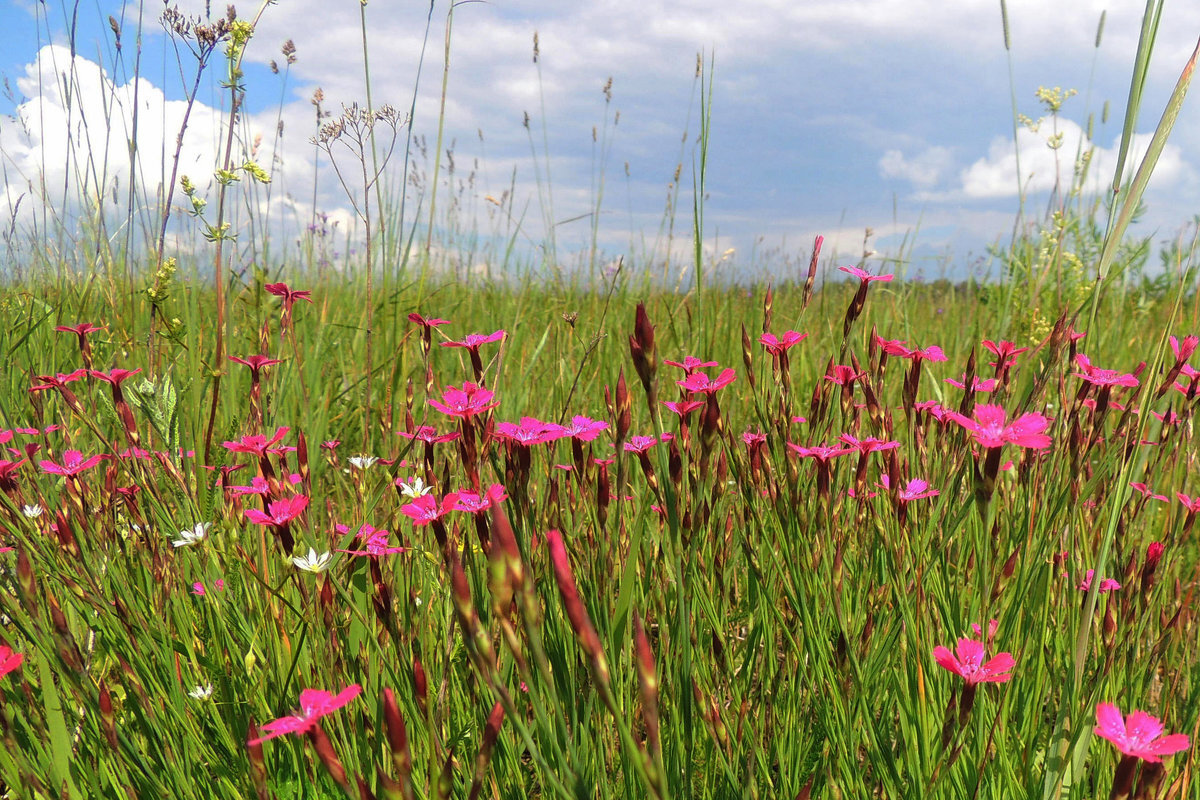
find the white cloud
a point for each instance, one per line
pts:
(68, 146)
(1043, 168)
(649, 47)
(923, 170)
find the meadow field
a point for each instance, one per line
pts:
(279, 528)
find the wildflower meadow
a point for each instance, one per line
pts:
(276, 530)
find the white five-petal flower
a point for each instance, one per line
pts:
(201, 692)
(32, 512)
(313, 562)
(362, 462)
(194, 535)
(415, 489)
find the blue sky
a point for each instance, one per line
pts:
(828, 117)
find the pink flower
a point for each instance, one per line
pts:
(1106, 585)
(1183, 349)
(640, 444)
(1192, 504)
(1102, 377)
(73, 463)
(115, 377)
(256, 362)
(842, 375)
(426, 323)
(289, 295)
(753, 439)
(868, 445)
(1005, 352)
(990, 429)
(466, 402)
(474, 503)
(83, 329)
(967, 662)
(775, 344)
(1146, 492)
(375, 539)
(916, 489)
(993, 626)
(586, 429)
(472, 341)
(865, 276)
(1139, 735)
(256, 444)
(426, 508)
(314, 704)
(977, 385)
(258, 485)
(684, 407)
(429, 435)
(821, 452)
(700, 383)
(530, 431)
(690, 364)
(58, 381)
(279, 512)
(9, 660)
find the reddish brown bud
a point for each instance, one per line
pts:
(812, 270)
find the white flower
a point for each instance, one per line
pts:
(201, 692)
(313, 562)
(32, 512)
(415, 489)
(190, 536)
(362, 462)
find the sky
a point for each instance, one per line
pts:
(827, 116)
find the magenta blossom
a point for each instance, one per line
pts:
(690, 364)
(865, 276)
(116, 377)
(821, 452)
(684, 407)
(314, 704)
(477, 503)
(431, 322)
(426, 508)
(915, 489)
(700, 383)
(1005, 352)
(842, 375)
(9, 660)
(289, 295)
(1139, 735)
(586, 429)
(640, 444)
(256, 362)
(473, 341)
(466, 402)
(429, 435)
(374, 539)
(990, 428)
(868, 445)
(1106, 584)
(1102, 377)
(967, 662)
(279, 512)
(777, 345)
(257, 444)
(977, 385)
(1183, 349)
(72, 464)
(530, 431)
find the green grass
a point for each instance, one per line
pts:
(715, 616)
